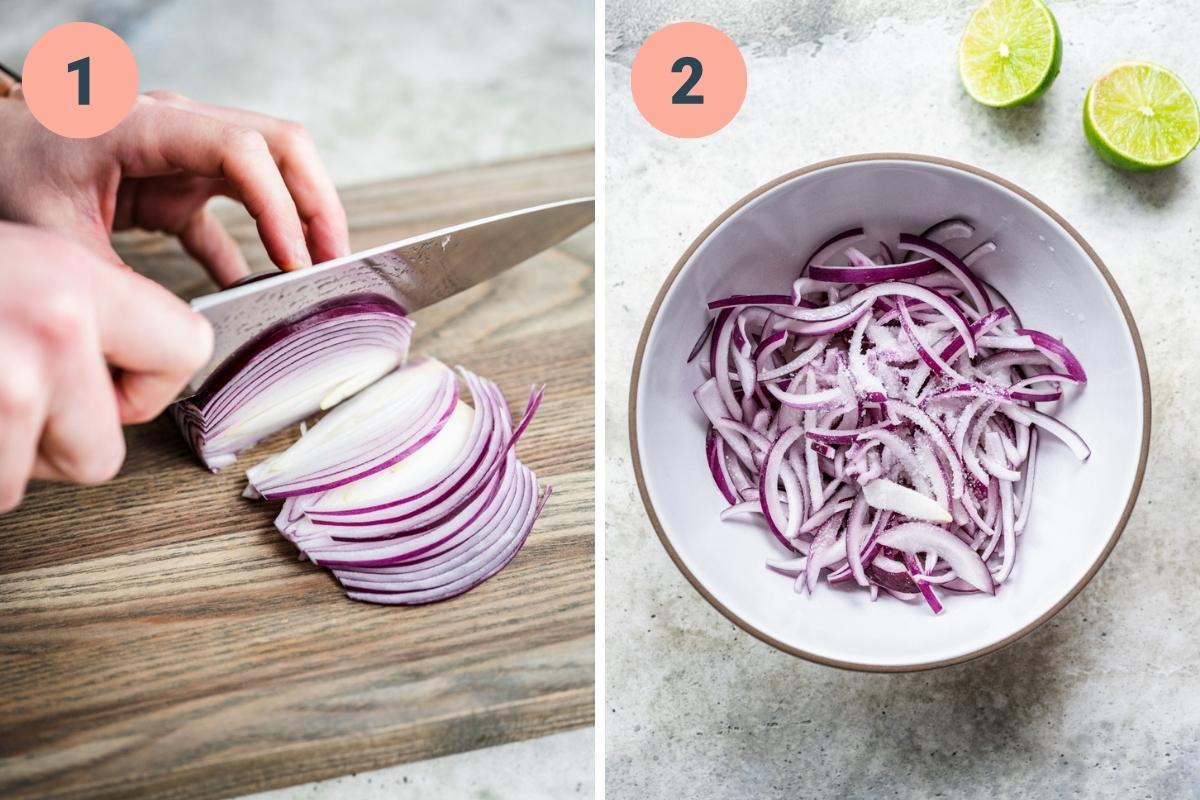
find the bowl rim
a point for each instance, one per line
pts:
(916, 158)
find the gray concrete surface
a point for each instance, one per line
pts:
(1104, 700)
(555, 767)
(387, 88)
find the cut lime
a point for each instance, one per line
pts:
(1010, 52)
(1141, 117)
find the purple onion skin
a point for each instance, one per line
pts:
(896, 581)
(511, 542)
(192, 414)
(853, 234)
(735, 300)
(292, 326)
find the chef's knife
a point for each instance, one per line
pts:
(415, 272)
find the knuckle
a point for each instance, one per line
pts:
(19, 392)
(109, 465)
(137, 407)
(143, 103)
(246, 141)
(164, 96)
(294, 134)
(140, 411)
(60, 319)
(99, 464)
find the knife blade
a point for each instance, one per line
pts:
(415, 272)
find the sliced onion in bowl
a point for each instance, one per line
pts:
(880, 419)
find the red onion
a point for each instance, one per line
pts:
(874, 274)
(303, 365)
(407, 493)
(438, 520)
(881, 417)
(385, 423)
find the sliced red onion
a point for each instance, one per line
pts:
(826, 327)
(738, 300)
(857, 258)
(411, 511)
(833, 245)
(948, 230)
(985, 249)
(1056, 350)
(778, 523)
(1063, 432)
(828, 550)
(305, 364)
(880, 419)
(921, 537)
(884, 494)
(954, 265)
(1027, 486)
(931, 359)
(862, 299)
(385, 423)
(827, 398)
(914, 572)
(892, 576)
(700, 342)
(792, 567)
(715, 448)
(845, 436)
(474, 518)
(409, 495)
(978, 328)
(874, 274)
(454, 578)
(856, 539)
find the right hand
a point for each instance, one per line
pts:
(85, 346)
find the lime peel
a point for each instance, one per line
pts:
(1140, 116)
(1010, 53)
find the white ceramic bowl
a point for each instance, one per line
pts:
(1057, 284)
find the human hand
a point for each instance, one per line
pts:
(158, 168)
(87, 346)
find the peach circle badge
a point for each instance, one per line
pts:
(80, 80)
(688, 80)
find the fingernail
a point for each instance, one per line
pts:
(300, 257)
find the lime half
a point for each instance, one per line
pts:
(1141, 117)
(1010, 52)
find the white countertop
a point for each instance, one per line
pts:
(1101, 701)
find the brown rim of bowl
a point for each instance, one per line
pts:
(1133, 332)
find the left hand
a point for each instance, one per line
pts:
(157, 170)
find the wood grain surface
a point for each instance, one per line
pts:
(158, 638)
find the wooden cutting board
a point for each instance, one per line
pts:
(158, 638)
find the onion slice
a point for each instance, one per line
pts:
(883, 494)
(921, 537)
(390, 420)
(305, 364)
